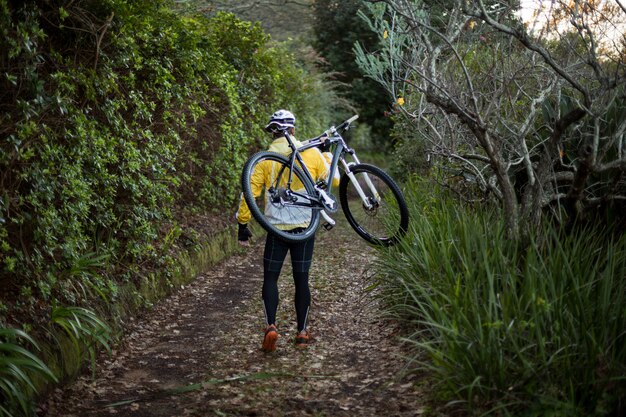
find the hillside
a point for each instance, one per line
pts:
(283, 19)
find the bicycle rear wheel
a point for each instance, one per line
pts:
(385, 217)
(275, 203)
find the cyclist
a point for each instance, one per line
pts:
(284, 218)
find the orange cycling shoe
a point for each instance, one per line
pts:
(271, 336)
(303, 338)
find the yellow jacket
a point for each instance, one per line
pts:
(286, 218)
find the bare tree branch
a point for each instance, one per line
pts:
(527, 42)
(543, 116)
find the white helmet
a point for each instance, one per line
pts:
(281, 120)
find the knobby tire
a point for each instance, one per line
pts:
(386, 222)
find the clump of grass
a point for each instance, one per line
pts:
(18, 368)
(86, 331)
(505, 327)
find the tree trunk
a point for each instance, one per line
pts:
(509, 199)
(532, 207)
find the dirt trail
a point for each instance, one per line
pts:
(198, 352)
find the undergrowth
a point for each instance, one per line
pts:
(505, 327)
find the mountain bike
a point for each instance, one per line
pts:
(370, 199)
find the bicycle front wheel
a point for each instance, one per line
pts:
(281, 199)
(374, 205)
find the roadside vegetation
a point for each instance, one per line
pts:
(504, 327)
(511, 283)
(530, 114)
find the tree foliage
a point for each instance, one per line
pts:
(534, 119)
(337, 28)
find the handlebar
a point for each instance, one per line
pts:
(333, 130)
(345, 125)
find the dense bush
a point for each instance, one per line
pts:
(115, 117)
(511, 329)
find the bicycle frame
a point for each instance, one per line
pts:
(340, 150)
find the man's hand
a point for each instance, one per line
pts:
(324, 146)
(244, 234)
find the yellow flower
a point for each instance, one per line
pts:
(400, 101)
(385, 34)
(472, 23)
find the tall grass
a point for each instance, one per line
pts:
(23, 373)
(19, 366)
(509, 328)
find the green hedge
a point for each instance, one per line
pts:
(116, 117)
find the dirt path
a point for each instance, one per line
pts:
(198, 352)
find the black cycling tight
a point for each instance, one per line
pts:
(273, 258)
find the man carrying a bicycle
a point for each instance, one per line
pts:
(287, 219)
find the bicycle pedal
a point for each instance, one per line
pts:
(328, 226)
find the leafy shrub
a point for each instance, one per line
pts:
(117, 118)
(511, 328)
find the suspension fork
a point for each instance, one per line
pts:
(368, 181)
(347, 167)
